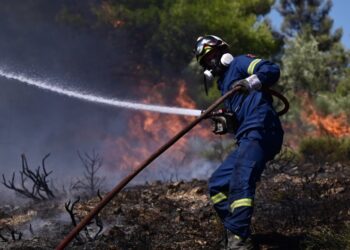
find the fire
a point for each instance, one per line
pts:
(147, 131)
(182, 98)
(118, 23)
(334, 125)
(331, 125)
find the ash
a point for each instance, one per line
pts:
(290, 207)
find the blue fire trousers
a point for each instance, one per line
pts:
(232, 185)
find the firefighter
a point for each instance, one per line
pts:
(256, 127)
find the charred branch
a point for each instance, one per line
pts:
(39, 188)
(69, 206)
(99, 195)
(70, 209)
(90, 183)
(31, 229)
(16, 236)
(99, 224)
(3, 238)
(13, 235)
(89, 235)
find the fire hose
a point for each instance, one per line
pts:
(109, 196)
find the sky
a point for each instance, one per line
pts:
(339, 13)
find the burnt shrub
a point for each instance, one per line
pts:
(325, 149)
(327, 238)
(310, 200)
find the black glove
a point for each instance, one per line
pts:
(223, 122)
(244, 84)
(248, 84)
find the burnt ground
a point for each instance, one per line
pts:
(302, 209)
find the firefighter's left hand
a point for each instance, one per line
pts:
(244, 84)
(250, 83)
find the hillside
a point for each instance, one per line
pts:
(302, 208)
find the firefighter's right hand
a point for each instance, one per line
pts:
(218, 125)
(222, 122)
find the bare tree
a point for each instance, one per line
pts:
(90, 183)
(39, 187)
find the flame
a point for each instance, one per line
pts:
(182, 98)
(147, 131)
(333, 125)
(336, 126)
(118, 23)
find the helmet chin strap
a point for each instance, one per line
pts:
(208, 77)
(209, 74)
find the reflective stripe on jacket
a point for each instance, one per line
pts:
(253, 110)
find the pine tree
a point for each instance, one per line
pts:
(309, 21)
(310, 17)
(314, 61)
(164, 32)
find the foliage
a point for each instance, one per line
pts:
(329, 103)
(314, 61)
(343, 88)
(338, 101)
(321, 74)
(325, 149)
(163, 32)
(160, 35)
(304, 66)
(309, 17)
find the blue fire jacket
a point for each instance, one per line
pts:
(253, 110)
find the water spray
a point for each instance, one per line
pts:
(85, 96)
(114, 102)
(109, 196)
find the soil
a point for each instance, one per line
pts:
(179, 215)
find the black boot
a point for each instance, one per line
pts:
(222, 243)
(234, 242)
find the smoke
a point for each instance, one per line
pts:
(36, 122)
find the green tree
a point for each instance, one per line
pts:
(338, 101)
(314, 60)
(304, 67)
(309, 17)
(307, 69)
(310, 20)
(163, 32)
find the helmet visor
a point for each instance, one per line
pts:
(210, 59)
(211, 41)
